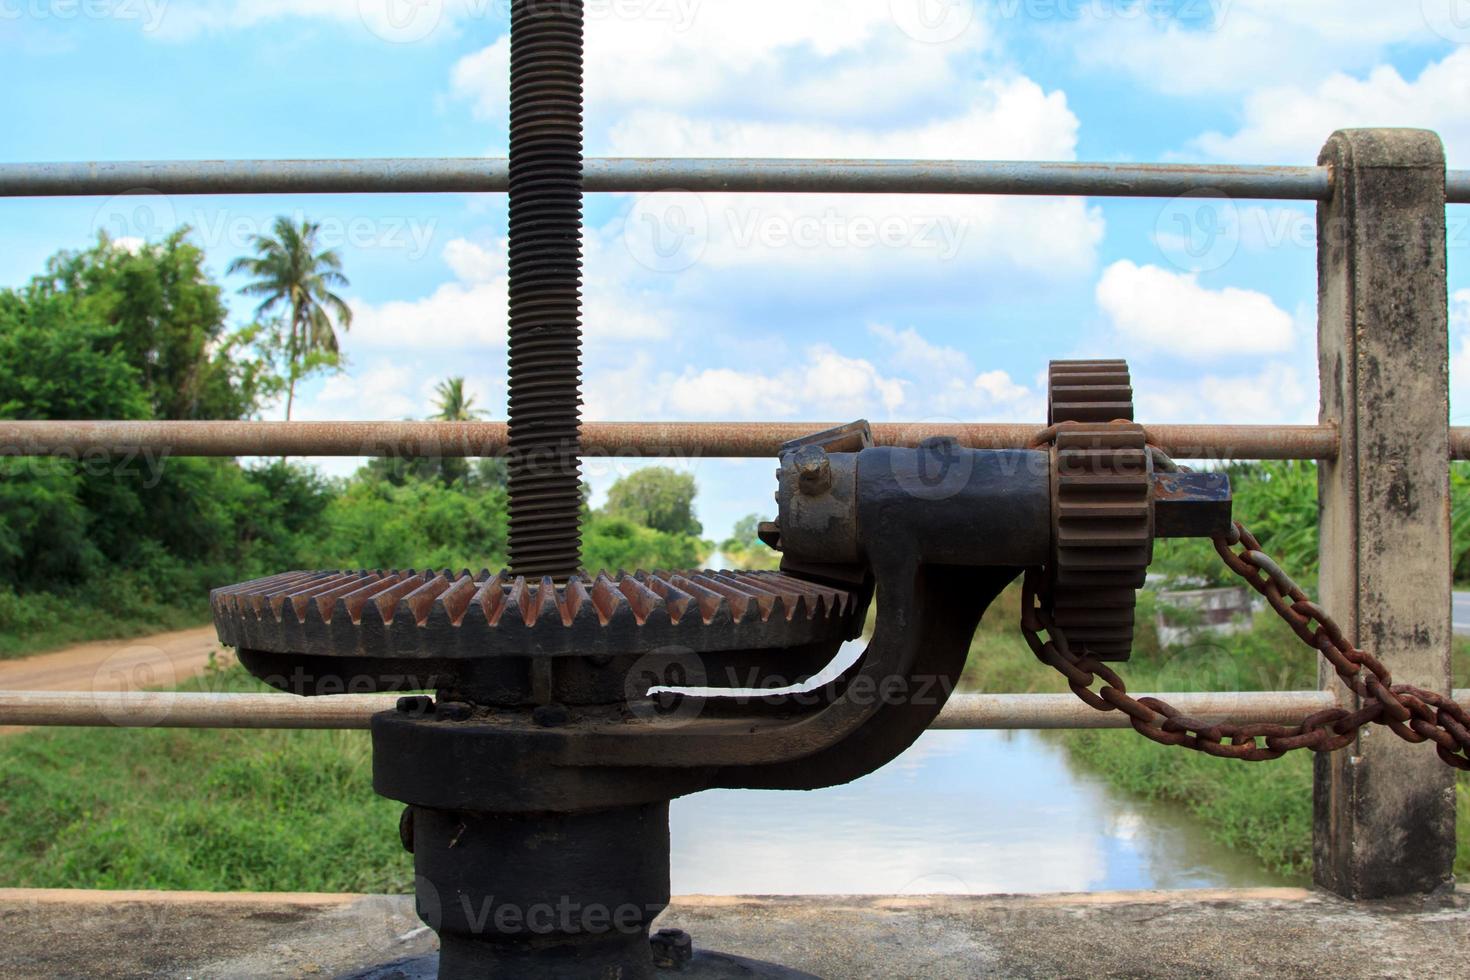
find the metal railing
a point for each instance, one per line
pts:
(962, 712)
(1352, 458)
(713, 175)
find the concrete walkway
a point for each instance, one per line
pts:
(1267, 933)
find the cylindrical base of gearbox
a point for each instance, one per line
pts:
(542, 895)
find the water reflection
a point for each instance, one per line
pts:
(960, 812)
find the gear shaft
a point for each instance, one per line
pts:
(545, 287)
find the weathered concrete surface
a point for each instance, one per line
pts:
(1265, 933)
(1385, 810)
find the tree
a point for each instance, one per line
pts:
(656, 497)
(611, 543)
(744, 547)
(290, 272)
(1277, 500)
(167, 319)
(454, 405)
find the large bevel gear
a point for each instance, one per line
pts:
(1102, 505)
(392, 623)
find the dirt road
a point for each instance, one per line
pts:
(115, 665)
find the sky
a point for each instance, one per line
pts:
(768, 307)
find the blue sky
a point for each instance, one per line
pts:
(764, 307)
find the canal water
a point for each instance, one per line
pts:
(959, 813)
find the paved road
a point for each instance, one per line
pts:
(1462, 613)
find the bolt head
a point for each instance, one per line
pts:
(813, 470)
(417, 705)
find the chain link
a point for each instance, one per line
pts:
(1412, 713)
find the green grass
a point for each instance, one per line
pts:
(115, 610)
(205, 810)
(1262, 809)
(292, 811)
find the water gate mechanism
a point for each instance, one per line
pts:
(570, 708)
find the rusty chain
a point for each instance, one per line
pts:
(1412, 713)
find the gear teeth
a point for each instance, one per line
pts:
(1089, 391)
(360, 610)
(1102, 506)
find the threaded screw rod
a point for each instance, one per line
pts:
(545, 287)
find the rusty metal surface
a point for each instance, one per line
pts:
(1088, 391)
(1414, 714)
(158, 440)
(545, 289)
(1191, 505)
(1102, 505)
(632, 174)
(437, 614)
(962, 712)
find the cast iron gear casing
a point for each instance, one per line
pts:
(1102, 505)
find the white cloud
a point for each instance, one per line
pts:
(394, 21)
(875, 239)
(455, 315)
(1248, 44)
(821, 58)
(908, 378)
(473, 262)
(1004, 118)
(827, 384)
(1171, 313)
(943, 381)
(819, 79)
(727, 393)
(384, 389)
(1274, 393)
(1291, 123)
(470, 313)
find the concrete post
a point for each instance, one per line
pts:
(1384, 810)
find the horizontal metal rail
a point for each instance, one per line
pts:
(624, 174)
(963, 712)
(608, 439)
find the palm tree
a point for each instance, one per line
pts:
(454, 404)
(290, 271)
